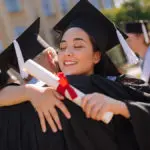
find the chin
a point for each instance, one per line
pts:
(70, 73)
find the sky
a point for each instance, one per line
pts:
(118, 2)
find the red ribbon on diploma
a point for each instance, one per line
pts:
(64, 85)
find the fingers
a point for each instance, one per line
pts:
(95, 111)
(63, 108)
(52, 118)
(85, 101)
(88, 104)
(42, 121)
(104, 109)
(55, 117)
(93, 106)
(89, 108)
(46, 108)
(101, 113)
(50, 121)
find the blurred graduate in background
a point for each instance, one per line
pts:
(139, 41)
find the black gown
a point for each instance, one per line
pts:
(20, 128)
(135, 83)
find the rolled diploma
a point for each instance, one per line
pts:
(52, 80)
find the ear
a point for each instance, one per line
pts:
(97, 57)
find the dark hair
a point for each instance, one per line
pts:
(104, 67)
(94, 44)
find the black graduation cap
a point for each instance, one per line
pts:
(138, 27)
(29, 43)
(86, 16)
(135, 27)
(106, 35)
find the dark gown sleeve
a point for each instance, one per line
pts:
(137, 84)
(140, 118)
(139, 108)
(86, 134)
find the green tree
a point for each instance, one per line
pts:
(129, 11)
(146, 2)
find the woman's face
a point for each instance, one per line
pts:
(76, 55)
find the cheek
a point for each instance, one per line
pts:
(87, 58)
(84, 52)
(87, 55)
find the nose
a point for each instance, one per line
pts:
(69, 52)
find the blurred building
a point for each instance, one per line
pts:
(16, 15)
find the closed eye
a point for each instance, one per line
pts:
(78, 47)
(63, 45)
(62, 48)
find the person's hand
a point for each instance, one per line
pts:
(48, 59)
(53, 59)
(45, 100)
(96, 105)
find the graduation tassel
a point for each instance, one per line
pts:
(20, 59)
(131, 57)
(146, 37)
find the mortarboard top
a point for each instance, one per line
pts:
(135, 27)
(87, 17)
(31, 44)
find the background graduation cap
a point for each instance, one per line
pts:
(26, 46)
(138, 27)
(84, 15)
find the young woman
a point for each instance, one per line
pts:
(84, 42)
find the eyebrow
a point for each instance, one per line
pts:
(75, 39)
(78, 39)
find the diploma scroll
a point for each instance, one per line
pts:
(52, 80)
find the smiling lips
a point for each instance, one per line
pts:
(69, 62)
